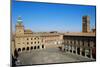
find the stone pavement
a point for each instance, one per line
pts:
(50, 55)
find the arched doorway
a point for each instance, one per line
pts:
(83, 52)
(27, 48)
(23, 49)
(42, 46)
(19, 49)
(31, 47)
(78, 51)
(34, 47)
(38, 47)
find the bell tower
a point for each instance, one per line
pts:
(86, 24)
(19, 26)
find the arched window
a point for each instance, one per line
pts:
(27, 43)
(19, 49)
(38, 42)
(35, 42)
(34, 38)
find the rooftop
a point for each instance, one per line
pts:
(80, 34)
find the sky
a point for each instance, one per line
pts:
(44, 17)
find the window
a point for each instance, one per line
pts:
(35, 42)
(74, 42)
(34, 38)
(31, 42)
(27, 42)
(31, 38)
(70, 42)
(27, 39)
(38, 42)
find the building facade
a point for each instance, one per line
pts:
(25, 39)
(81, 44)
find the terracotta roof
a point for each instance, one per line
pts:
(80, 34)
(28, 31)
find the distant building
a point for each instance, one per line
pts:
(85, 24)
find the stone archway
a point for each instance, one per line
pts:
(31, 47)
(78, 51)
(42, 46)
(38, 47)
(27, 48)
(19, 49)
(34, 47)
(83, 52)
(23, 49)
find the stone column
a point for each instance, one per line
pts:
(91, 53)
(69, 48)
(73, 49)
(76, 50)
(80, 51)
(85, 53)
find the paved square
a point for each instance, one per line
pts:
(52, 55)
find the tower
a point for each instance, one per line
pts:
(85, 24)
(19, 26)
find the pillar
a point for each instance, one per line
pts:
(85, 53)
(80, 51)
(73, 48)
(76, 50)
(91, 53)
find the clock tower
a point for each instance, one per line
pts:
(19, 26)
